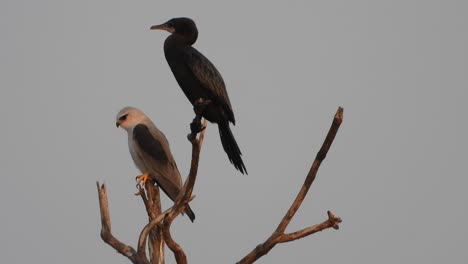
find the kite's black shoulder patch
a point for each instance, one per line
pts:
(148, 143)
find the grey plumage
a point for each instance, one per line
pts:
(150, 152)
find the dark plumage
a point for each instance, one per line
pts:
(148, 144)
(199, 79)
(154, 149)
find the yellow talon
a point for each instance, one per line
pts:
(141, 180)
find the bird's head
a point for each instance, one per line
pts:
(129, 117)
(181, 26)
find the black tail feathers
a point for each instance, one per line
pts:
(190, 213)
(230, 147)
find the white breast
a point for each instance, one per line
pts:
(134, 152)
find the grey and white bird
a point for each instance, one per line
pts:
(150, 152)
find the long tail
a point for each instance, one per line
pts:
(190, 213)
(230, 147)
(172, 190)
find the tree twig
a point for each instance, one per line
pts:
(184, 197)
(152, 202)
(278, 235)
(332, 221)
(106, 232)
(156, 244)
(147, 229)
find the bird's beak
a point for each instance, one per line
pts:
(117, 124)
(163, 27)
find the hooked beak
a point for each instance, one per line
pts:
(163, 27)
(117, 124)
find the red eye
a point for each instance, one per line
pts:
(122, 118)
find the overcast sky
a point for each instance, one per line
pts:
(396, 172)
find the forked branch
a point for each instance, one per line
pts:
(160, 223)
(106, 231)
(278, 235)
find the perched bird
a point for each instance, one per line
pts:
(201, 82)
(151, 154)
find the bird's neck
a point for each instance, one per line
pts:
(176, 40)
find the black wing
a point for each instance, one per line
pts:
(209, 77)
(148, 143)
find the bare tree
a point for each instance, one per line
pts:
(158, 230)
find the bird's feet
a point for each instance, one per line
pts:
(195, 128)
(200, 105)
(141, 180)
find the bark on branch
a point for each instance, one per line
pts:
(159, 227)
(278, 235)
(106, 231)
(152, 202)
(184, 197)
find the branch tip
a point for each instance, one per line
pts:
(334, 220)
(278, 235)
(339, 114)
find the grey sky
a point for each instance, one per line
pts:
(395, 174)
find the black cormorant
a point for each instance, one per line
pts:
(201, 82)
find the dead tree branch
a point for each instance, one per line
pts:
(106, 232)
(278, 235)
(156, 241)
(152, 202)
(159, 226)
(184, 197)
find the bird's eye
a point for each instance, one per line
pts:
(122, 118)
